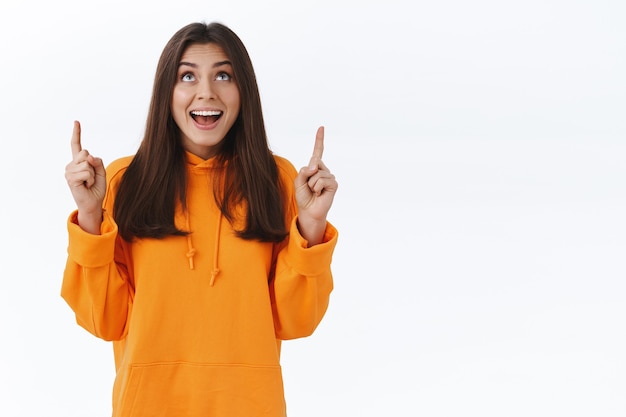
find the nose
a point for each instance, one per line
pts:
(205, 89)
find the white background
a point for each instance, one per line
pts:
(480, 151)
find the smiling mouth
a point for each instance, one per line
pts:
(206, 117)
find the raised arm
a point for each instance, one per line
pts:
(96, 283)
(86, 178)
(315, 189)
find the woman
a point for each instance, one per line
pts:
(200, 253)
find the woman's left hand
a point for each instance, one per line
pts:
(315, 190)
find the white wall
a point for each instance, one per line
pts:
(480, 152)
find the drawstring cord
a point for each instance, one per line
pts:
(191, 251)
(216, 253)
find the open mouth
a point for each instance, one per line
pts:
(206, 117)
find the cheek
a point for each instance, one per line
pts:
(237, 106)
(235, 101)
(228, 94)
(179, 104)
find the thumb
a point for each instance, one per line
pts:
(303, 176)
(98, 166)
(99, 171)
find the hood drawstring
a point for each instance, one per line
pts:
(191, 251)
(216, 253)
(197, 166)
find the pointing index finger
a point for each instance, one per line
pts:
(76, 146)
(318, 150)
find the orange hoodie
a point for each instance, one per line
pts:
(196, 321)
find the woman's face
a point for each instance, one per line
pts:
(205, 102)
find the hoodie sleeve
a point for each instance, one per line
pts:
(96, 282)
(303, 280)
(94, 286)
(302, 285)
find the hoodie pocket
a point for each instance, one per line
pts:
(195, 390)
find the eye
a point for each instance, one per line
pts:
(223, 76)
(187, 77)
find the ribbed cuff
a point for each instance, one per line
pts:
(90, 250)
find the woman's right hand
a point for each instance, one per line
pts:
(86, 177)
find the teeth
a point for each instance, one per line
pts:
(206, 112)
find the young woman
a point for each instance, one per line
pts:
(200, 253)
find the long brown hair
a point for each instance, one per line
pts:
(155, 180)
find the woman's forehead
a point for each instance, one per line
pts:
(203, 51)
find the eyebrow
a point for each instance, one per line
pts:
(216, 65)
